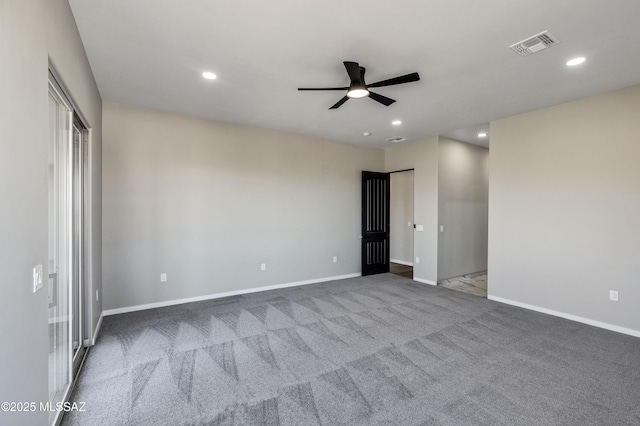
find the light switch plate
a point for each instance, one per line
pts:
(37, 278)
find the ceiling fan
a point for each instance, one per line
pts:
(359, 89)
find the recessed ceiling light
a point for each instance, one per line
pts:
(396, 122)
(366, 134)
(209, 75)
(482, 135)
(576, 61)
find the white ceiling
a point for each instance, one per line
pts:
(152, 53)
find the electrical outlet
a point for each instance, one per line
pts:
(613, 295)
(441, 228)
(37, 278)
(417, 260)
(335, 259)
(163, 278)
(97, 296)
(409, 224)
(263, 266)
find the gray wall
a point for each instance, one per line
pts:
(30, 32)
(564, 208)
(422, 156)
(68, 59)
(463, 192)
(208, 202)
(401, 217)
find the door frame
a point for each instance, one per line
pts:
(76, 119)
(55, 81)
(80, 212)
(413, 217)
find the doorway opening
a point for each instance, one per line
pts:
(402, 223)
(387, 223)
(463, 199)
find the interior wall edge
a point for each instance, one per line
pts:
(96, 331)
(423, 281)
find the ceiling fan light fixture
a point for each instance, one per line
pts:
(357, 92)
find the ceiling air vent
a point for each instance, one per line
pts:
(535, 44)
(396, 139)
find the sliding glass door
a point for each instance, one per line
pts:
(67, 212)
(60, 115)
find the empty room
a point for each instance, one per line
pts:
(319, 213)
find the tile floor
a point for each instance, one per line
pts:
(475, 284)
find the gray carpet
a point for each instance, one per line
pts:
(381, 350)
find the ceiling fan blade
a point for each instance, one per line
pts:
(382, 99)
(353, 69)
(323, 88)
(340, 102)
(408, 78)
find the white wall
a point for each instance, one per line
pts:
(31, 31)
(422, 156)
(208, 202)
(564, 208)
(463, 192)
(401, 217)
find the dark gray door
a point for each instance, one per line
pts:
(375, 222)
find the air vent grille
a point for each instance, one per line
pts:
(396, 139)
(535, 44)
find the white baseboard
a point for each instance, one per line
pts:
(401, 262)
(576, 318)
(220, 295)
(423, 281)
(97, 330)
